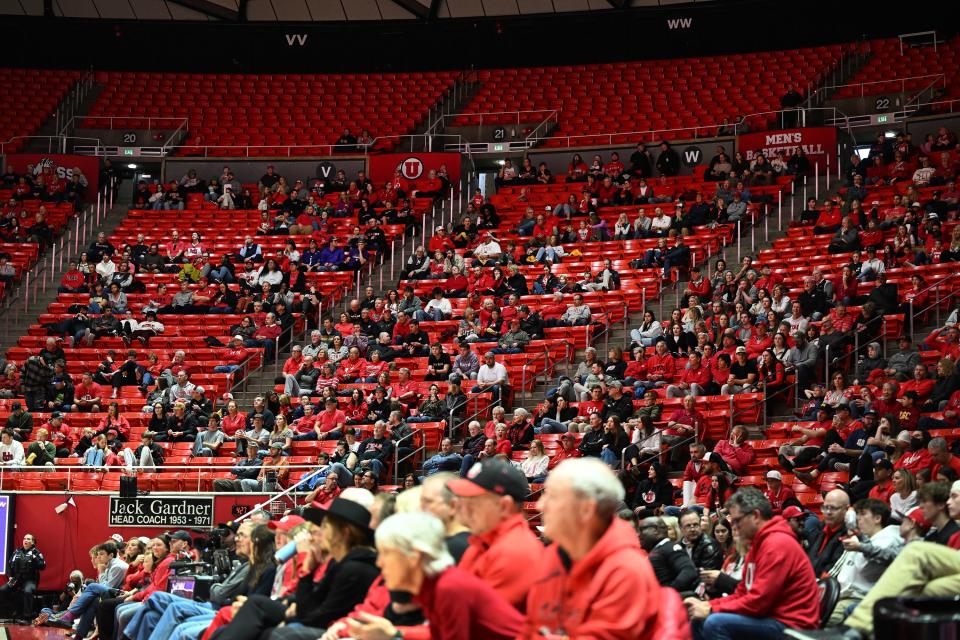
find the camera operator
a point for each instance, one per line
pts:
(162, 611)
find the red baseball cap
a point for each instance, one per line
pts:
(916, 514)
(792, 512)
(286, 523)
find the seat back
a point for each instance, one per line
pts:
(829, 595)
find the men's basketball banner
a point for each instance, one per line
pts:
(413, 166)
(818, 143)
(60, 167)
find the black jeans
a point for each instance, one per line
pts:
(255, 619)
(106, 614)
(20, 598)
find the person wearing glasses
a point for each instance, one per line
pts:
(826, 546)
(779, 590)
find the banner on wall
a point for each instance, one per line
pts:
(161, 511)
(818, 143)
(6, 532)
(60, 166)
(413, 166)
(65, 537)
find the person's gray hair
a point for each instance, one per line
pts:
(179, 352)
(955, 487)
(521, 412)
(591, 479)
(315, 332)
(590, 350)
(403, 370)
(361, 496)
(750, 499)
(417, 532)
(938, 444)
(258, 516)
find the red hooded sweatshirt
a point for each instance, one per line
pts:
(494, 557)
(778, 580)
(611, 593)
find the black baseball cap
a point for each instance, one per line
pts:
(491, 476)
(182, 535)
(347, 510)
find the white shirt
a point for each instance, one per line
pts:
(662, 222)
(489, 248)
(11, 454)
(899, 506)
(106, 269)
(442, 304)
(492, 375)
(856, 573)
(535, 467)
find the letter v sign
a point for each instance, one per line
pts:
(299, 38)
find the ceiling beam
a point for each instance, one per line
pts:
(414, 7)
(434, 9)
(211, 9)
(620, 4)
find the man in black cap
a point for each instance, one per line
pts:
(490, 504)
(20, 422)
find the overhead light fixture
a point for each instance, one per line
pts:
(501, 162)
(131, 166)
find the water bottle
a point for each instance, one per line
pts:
(285, 552)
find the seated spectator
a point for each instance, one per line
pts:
(671, 563)
(783, 593)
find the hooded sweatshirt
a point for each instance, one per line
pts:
(778, 581)
(610, 593)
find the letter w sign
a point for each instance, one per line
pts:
(299, 38)
(678, 23)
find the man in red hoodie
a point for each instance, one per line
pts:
(594, 581)
(778, 590)
(490, 504)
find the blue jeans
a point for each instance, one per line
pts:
(226, 368)
(727, 626)
(190, 629)
(433, 314)
(675, 510)
(162, 616)
(610, 458)
(377, 467)
(468, 461)
(89, 613)
(549, 425)
(125, 612)
(501, 350)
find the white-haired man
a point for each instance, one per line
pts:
(595, 565)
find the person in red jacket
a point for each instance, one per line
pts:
(265, 338)
(73, 281)
(736, 450)
(698, 286)
(414, 559)
(661, 368)
(594, 580)
(491, 505)
(776, 492)
(778, 590)
(693, 381)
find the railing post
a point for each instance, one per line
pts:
(816, 180)
(909, 319)
(826, 366)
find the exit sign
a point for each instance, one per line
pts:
(128, 152)
(882, 119)
(498, 147)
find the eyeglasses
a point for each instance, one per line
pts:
(828, 507)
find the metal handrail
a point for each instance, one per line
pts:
(151, 121)
(396, 452)
(60, 147)
(913, 313)
(466, 420)
(902, 80)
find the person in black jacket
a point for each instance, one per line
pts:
(592, 443)
(668, 162)
(344, 532)
(671, 564)
(703, 549)
(617, 403)
(23, 575)
(826, 546)
(653, 493)
(181, 426)
(640, 162)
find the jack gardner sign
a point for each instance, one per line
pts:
(162, 511)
